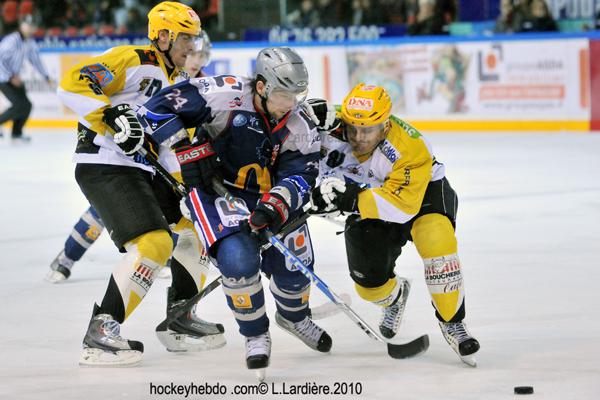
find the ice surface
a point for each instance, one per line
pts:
(528, 230)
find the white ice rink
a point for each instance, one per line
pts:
(529, 241)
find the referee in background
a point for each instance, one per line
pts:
(13, 50)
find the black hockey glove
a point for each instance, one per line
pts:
(129, 135)
(333, 194)
(199, 165)
(322, 114)
(271, 212)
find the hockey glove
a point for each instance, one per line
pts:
(271, 212)
(199, 165)
(333, 194)
(322, 114)
(129, 135)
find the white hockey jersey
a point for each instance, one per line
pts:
(123, 74)
(396, 173)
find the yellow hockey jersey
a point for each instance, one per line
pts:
(123, 74)
(397, 172)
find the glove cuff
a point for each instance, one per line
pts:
(278, 203)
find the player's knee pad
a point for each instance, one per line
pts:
(291, 301)
(238, 256)
(433, 236)
(383, 295)
(245, 298)
(155, 245)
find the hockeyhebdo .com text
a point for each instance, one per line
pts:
(194, 390)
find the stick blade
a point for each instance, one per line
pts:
(410, 349)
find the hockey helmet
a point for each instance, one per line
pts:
(174, 17)
(202, 45)
(366, 105)
(283, 69)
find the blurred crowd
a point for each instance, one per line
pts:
(88, 17)
(420, 17)
(524, 16)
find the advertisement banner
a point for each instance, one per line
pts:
(471, 85)
(511, 80)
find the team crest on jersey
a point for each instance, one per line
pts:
(299, 243)
(147, 57)
(389, 151)
(355, 169)
(97, 74)
(236, 102)
(240, 120)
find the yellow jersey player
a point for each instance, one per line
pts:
(89, 227)
(136, 208)
(382, 170)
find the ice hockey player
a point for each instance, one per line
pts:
(266, 150)
(135, 207)
(382, 171)
(88, 228)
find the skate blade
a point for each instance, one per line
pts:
(261, 374)
(469, 360)
(100, 358)
(180, 342)
(55, 277)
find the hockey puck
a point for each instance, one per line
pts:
(523, 389)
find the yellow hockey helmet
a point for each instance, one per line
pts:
(366, 105)
(175, 17)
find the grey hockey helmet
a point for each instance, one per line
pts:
(283, 69)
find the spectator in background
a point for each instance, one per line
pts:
(510, 18)
(52, 13)
(537, 18)
(104, 11)
(10, 16)
(328, 13)
(429, 20)
(13, 50)
(366, 12)
(135, 21)
(306, 16)
(76, 14)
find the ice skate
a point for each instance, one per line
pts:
(306, 330)
(391, 316)
(60, 269)
(258, 353)
(461, 341)
(104, 347)
(188, 332)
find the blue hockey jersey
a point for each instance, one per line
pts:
(256, 154)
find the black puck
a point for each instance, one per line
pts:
(523, 389)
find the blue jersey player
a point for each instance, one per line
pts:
(253, 136)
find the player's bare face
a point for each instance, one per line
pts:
(194, 63)
(280, 102)
(182, 47)
(364, 139)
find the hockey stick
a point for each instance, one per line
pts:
(319, 312)
(172, 315)
(395, 350)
